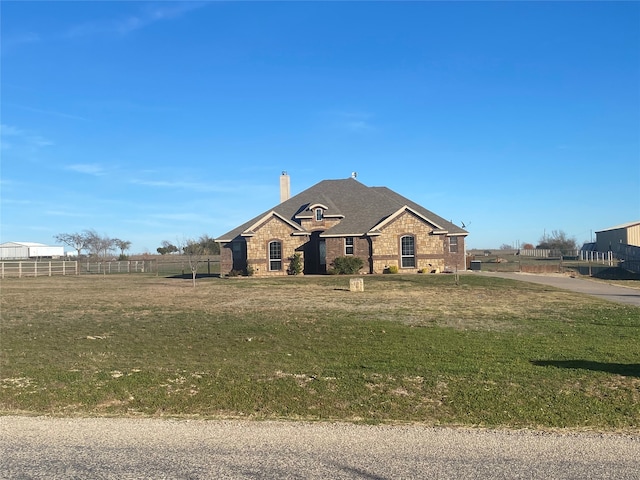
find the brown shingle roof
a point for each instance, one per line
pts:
(362, 208)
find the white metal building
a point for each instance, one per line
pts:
(25, 250)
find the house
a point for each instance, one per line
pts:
(337, 218)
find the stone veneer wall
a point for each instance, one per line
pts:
(429, 249)
(432, 251)
(258, 246)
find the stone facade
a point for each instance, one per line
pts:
(429, 247)
(432, 250)
(273, 229)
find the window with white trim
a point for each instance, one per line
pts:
(453, 244)
(319, 214)
(348, 246)
(275, 255)
(407, 252)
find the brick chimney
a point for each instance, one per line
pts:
(285, 187)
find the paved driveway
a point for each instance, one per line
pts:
(595, 288)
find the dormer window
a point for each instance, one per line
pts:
(319, 214)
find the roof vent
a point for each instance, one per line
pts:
(354, 174)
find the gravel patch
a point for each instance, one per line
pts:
(109, 448)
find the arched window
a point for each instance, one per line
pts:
(407, 251)
(275, 255)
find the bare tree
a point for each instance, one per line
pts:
(558, 241)
(123, 245)
(99, 245)
(77, 241)
(194, 251)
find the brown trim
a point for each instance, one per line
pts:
(384, 257)
(427, 256)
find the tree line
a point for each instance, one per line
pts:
(205, 245)
(557, 241)
(93, 243)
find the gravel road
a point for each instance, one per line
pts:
(101, 448)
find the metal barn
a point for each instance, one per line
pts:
(614, 238)
(26, 250)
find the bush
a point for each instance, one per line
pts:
(391, 269)
(346, 265)
(295, 267)
(250, 271)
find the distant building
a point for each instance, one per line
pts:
(27, 250)
(617, 238)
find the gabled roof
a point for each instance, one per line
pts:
(364, 210)
(252, 228)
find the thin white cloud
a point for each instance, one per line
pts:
(353, 121)
(9, 130)
(12, 137)
(51, 112)
(182, 185)
(357, 125)
(65, 213)
(149, 15)
(183, 217)
(12, 41)
(87, 168)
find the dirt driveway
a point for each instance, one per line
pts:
(613, 293)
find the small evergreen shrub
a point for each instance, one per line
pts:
(346, 265)
(391, 269)
(295, 267)
(250, 271)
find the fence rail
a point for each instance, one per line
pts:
(546, 253)
(31, 268)
(38, 269)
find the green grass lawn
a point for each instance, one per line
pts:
(488, 352)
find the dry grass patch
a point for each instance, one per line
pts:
(409, 348)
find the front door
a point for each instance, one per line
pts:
(315, 255)
(239, 255)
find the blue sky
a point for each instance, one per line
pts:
(152, 121)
